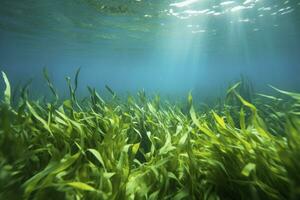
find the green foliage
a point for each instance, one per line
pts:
(7, 92)
(248, 148)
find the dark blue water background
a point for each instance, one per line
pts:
(169, 47)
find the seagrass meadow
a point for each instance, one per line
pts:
(247, 147)
(149, 100)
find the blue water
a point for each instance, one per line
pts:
(169, 47)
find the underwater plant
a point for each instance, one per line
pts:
(142, 148)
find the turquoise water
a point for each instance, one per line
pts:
(169, 47)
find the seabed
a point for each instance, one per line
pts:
(246, 147)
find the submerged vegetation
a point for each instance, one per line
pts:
(248, 147)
